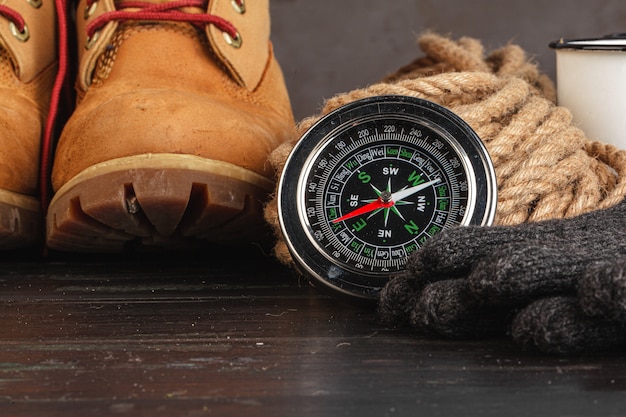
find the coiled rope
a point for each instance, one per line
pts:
(546, 168)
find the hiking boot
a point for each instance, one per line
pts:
(28, 66)
(178, 105)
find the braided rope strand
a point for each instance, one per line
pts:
(546, 167)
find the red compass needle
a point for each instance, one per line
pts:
(383, 201)
(386, 200)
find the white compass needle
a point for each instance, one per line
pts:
(407, 192)
(376, 189)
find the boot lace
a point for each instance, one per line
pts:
(61, 84)
(18, 25)
(170, 11)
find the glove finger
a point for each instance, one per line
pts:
(448, 309)
(452, 252)
(517, 272)
(558, 325)
(397, 299)
(602, 289)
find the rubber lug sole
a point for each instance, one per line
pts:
(20, 220)
(166, 201)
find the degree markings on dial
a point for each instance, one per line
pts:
(420, 148)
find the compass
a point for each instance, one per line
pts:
(370, 182)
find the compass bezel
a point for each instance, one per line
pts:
(308, 257)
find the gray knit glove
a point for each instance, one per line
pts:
(559, 285)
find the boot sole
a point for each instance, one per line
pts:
(167, 201)
(20, 220)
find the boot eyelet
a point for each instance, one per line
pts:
(22, 35)
(35, 3)
(239, 6)
(92, 40)
(234, 42)
(90, 9)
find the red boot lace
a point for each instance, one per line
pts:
(60, 83)
(13, 17)
(161, 12)
(170, 11)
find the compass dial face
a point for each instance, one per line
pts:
(371, 182)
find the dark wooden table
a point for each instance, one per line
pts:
(236, 334)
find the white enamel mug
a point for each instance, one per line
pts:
(591, 83)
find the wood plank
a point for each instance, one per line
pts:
(213, 335)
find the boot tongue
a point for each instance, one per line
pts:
(184, 8)
(237, 32)
(95, 38)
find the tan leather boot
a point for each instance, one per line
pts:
(27, 71)
(179, 104)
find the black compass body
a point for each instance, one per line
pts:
(369, 183)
